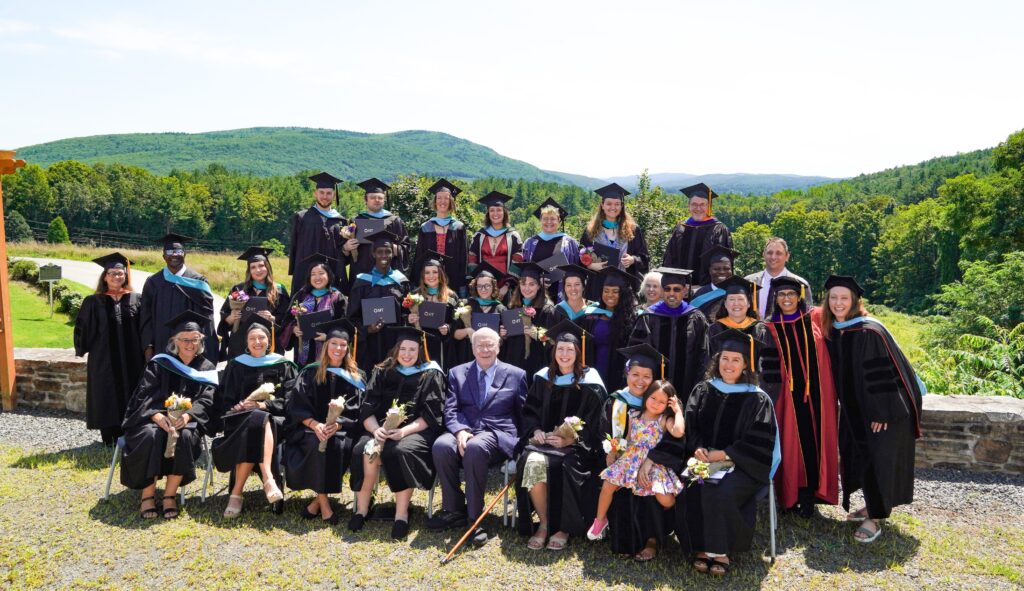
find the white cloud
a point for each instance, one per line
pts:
(15, 27)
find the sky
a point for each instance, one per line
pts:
(594, 88)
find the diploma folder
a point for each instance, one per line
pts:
(551, 264)
(609, 253)
(433, 314)
(309, 321)
(375, 309)
(512, 320)
(485, 320)
(367, 227)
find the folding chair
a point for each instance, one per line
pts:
(769, 492)
(205, 460)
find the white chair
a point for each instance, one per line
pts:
(769, 492)
(205, 461)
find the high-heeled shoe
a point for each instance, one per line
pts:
(273, 493)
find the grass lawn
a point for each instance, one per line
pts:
(56, 533)
(907, 330)
(222, 270)
(32, 325)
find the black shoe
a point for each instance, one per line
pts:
(333, 519)
(356, 522)
(479, 537)
(277, 507)
(446, 520)
(806, 509)
(399, 530)
(305, 514)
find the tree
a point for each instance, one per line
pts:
(16, 228)
(813, 241)
(57, 233)
(750, 239)
(657, 214)
(28, 191)
(256, 209)
(859, 228)
(1010, 154)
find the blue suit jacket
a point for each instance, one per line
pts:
(502, 410)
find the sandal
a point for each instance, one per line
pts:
(868, 535)
(722, 568)
(273, 493)
(556, 543)
(150, 513)
(857, 516)
(170, 512)
(234, 508)
(537, 540)
(650, 552)
(701, 564)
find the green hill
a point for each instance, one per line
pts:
(270, 151)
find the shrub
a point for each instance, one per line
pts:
(24, 271)
(276, 246)
(16, 228)
(57, 233)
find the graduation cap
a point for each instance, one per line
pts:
(318, 259)
(341, 328)
(576, 271)
(616, 277)
(325, 180)
(737, 341)
(530, 269)
(735, 285)
(257, 322)
(673, 276)
(443, 184)
(255, 253)
(374, 185)
(700, 190)
(844, 281)
(170, 239)
(485, 269)
(785, 282)
(612, 191)
(494, 199)
(645, 355)
(718, 253)
(436, 259)
(187, 321)
(567, 331)
(549, 202)
(114, 260)
(384, 237)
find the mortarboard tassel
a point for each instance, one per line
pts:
(754, 303)
(426, 352)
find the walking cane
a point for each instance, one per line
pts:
(476, 523)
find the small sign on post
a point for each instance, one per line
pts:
(50, 274)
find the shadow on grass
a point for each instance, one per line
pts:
(837, 551)
(94, 456)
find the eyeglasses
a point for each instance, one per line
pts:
(189, 341)
(115, 273)
(171, 252)
(676, 289)
(786, 295)
(486, 346)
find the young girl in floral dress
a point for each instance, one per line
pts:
(645, 431)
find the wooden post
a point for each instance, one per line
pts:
(7, 166)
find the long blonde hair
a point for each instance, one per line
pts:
(627, 225)
(348, 363)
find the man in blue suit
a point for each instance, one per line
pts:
(482, 413)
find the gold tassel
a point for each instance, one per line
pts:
(355, 343)
(583, 348)
(751, 353)
(662, 367)
(789, 355)
(807, 362)
(426, 353)
(754, 303)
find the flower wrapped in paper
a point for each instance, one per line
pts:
(570, 428)
(334, 410)
(614, 445)
(176, 406)
(298, 310)
(464, 313)
(262, 394)
(395, 417)
(236, 300)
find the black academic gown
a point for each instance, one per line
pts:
(573, 479)
(454, 248)
(720, 517)
(875, 383)
(464, 348)
(407, 463)
(305, 466)
(371, 349)
(610, 335)
(637, 247)
(711, 307)
(163, 300)
(314, 233)
(244, 431)
(109, 332)
(333, 301)
(530, 358)
(766, 356)
(441, 348)
(689, 242)
(143, 459)
(233, 343)
(683, 339)
(364, 254)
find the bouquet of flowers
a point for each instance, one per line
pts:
(237, 299)
(697, 471)
(349, 232)
(334, 410)
(262, 394)
(372, 449)
(464, 312)
(570, 428)
(175, 406)
(588, 256)
(412, 302)
(396, 416)
(542, 334)
(528, 313)
(613, 444)
(298, 310)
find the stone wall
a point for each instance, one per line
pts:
(982, 433)
(50, 378)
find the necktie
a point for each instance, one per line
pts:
(481, 388)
